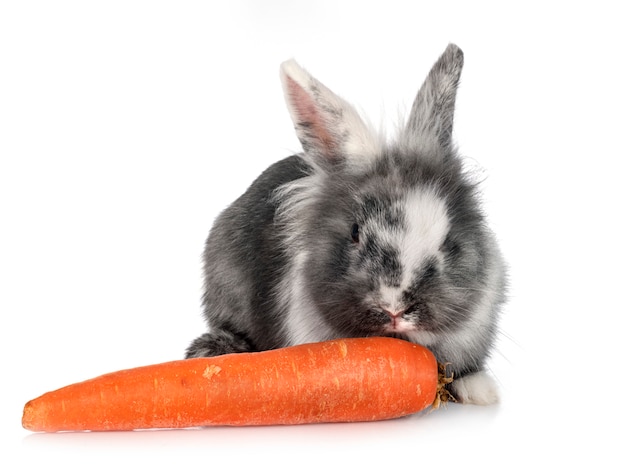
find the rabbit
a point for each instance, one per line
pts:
(359, 236)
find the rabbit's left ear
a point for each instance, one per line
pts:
(329, 128)
(432, 114)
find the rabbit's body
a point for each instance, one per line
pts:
(356, 237)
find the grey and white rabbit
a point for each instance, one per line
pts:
(358, 237)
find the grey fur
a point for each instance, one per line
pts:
(285, 264)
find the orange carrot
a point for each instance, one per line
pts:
(343, 380)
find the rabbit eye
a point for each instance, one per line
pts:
(354, 233)
(429, 272)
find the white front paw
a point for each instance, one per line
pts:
(478, 389)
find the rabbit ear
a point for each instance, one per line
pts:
(432, 114)
(327, 126)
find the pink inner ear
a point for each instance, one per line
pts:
(311, 119)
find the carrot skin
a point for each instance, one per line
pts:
(344, 380)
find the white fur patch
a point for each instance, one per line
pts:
(478, 389)
(427, 225)
(302, 323)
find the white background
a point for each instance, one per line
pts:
(125, 127)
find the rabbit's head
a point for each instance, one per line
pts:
(390, 237)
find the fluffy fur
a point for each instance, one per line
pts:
(358, 237)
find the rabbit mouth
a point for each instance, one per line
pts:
(399, 325)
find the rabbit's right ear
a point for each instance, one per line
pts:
(329, 128)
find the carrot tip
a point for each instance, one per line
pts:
(27, 417)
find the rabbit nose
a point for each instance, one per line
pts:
(394, 314)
